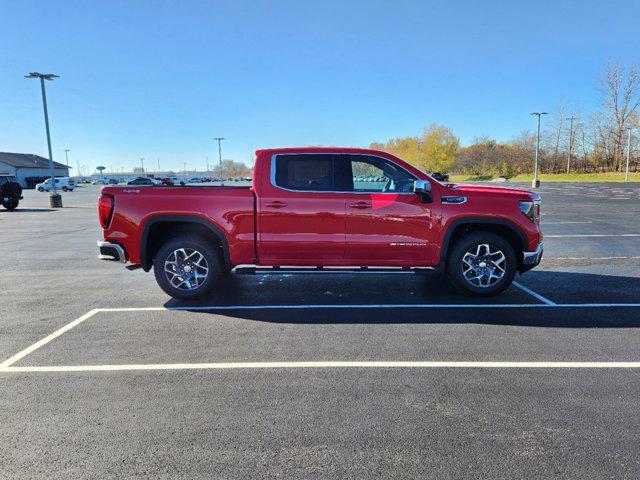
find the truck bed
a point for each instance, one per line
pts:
(230, 208)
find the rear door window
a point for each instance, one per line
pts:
(313, 172)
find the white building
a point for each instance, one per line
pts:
(29, 169)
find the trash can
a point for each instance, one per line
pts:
(55, 200)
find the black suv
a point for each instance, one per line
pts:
(10, 192)
(141, 181)
(441, 177)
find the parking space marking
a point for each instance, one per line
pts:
(6, 366)
(634, 257)
(533, 294)
(47, 339)
(565, 223)
(320, 364)
(386, 305)
(594, 235)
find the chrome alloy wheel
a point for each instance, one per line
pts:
(483, 265)
(186, 269)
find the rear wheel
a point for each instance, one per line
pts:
(11, 203)
(188, 266)
(482, 264)
(65, 189)
(41, 189)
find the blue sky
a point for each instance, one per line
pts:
(159, 78)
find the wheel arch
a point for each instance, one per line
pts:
(165, 226)
(459, 227)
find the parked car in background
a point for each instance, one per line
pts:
(10, 192)
(141, 181)
(113, 181)
(441, 177)
(196, 180)
(100, 181)
(65, 184)
(167, 181)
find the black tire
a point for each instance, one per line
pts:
(41, 189)
(65, 189)
(469, 243)
(11, 203)
(212, 257)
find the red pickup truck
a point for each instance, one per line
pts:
(321, 209)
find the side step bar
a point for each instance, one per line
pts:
(253, 270)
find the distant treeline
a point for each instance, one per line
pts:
(232, 169)
(570, 141)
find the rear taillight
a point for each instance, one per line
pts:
(105, 210)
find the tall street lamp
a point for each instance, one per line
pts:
(219, 139)
(626, 173)
(571, 119)
(535, 183)
(55, 200)
(419, 143)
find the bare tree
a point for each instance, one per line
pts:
(621, 89)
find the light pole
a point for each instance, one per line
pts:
(55, 200)
(535, 183)
(571, 119)
(626, 173)
(66, 156)
(219, 139)
(142, 164)
(419, 143)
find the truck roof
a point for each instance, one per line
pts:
(320, 150)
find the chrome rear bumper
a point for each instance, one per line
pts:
(111, 251)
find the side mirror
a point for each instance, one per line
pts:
(423, 189)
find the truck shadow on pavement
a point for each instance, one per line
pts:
(32, 210)
(372, 291)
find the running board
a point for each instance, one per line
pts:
(330, 270)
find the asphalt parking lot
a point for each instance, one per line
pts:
(322, 376)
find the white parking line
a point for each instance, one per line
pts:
(595, 235)
(533, 294)
(47, 339)
(381, 305)
(564, 223)
(319, 364)
(593, 258)
(6, 365)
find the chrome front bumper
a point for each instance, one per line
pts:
(531, 259)
(111, 251)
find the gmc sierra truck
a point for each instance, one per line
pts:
(322, 209)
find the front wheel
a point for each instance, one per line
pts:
(11, 203)
(482, 264)
(41, 189)
(188, 266)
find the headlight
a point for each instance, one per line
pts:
(528, 208)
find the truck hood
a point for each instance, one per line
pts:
(492, 191)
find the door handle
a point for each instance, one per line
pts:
(275, 204)
(360, 205)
